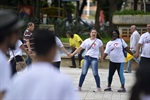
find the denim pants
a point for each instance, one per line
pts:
(130, 62)
(93, 62)
(28, 60)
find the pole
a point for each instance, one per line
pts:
(144, 3)
(88, 8)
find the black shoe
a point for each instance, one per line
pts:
(108, 89)
(122, 90)
(72, 66)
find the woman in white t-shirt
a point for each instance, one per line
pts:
(114, 49)
(18, 55)
(57, 59)
(93, 46)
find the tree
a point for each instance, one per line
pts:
(84, 3)
(135, 4)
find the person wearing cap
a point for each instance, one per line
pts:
(28, 41)
(144, 44)
(75, 41)
(9, 27)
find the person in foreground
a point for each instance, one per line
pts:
(92, 46)
(141, 88)
(9, 27)
(42, 81)
(114, 49)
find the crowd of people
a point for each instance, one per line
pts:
(43, 77)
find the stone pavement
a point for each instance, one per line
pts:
(89, 84)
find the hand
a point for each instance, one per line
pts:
(101, 59)
(71, 55)
(68, 54)
(136, 55)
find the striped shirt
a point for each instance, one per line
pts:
(28, 36)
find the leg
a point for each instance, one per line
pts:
(85, 68)
(94, 65)
(129, 66)
(13, 66)
(73, 59)
(28, 60)
(57, 65)
(80, 56)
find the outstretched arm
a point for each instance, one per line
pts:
(24, 50)
(76, 51)
(128, 50)
(64, 50)
(102, 52)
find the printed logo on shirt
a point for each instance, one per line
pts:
(115, 44)
(93, 45)
(147, 40)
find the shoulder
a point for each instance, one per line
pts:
(144, 34)
(86, 40)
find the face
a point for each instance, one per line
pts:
(93, 34)
(114, 35)
(132, 29)
(68, 36)
(31, 28)
(148, 27)
(12, 39)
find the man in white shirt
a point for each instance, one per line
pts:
(144, 44)
(8, 36)
(42, 81)
(134, 39)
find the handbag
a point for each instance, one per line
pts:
(124, 51)
(20, 65)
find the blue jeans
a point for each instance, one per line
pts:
(28, 60)
(94, 65)
(130, 62)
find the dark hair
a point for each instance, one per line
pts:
(142, 84)
(116, 31)
(70, 33)
(30, 24)
(44, 40)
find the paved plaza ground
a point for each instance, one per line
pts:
(89, 84)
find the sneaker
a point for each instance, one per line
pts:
(72, 66)
(122, 90)
(127, 71)
(97, 90)
(79, 89)
(108, 89)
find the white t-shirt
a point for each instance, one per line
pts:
(94, 50)
(115, 50)
(134, 39)
(5, 72)
(17, 51)
(59, 46)
(41, 82)
(145, 41)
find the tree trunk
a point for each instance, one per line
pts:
(97, 15)
(77, 9)
(144, 4)
(82, 7)
(112, 9)
(135, 4)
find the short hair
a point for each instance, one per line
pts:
(30, 24)
(70, 33)
(44, 40)
(116, 32)
(134, 27)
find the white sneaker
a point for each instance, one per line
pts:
(79, 89)
(97, 90)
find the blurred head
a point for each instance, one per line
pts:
(148, 27)
(45, 44)
(9, 28)
(132, 28)
(115, 34)
(93, 33)
(31, 26)
(69, 34)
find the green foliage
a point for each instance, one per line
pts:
(131, 12)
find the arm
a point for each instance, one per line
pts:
(28, 45)
(64, 50)
(136, 55)
(76, 51)
(128, 50)
(102, 52)
(23, 49)
(104, 56)
(1, 95)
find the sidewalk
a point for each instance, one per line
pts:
(89, 84)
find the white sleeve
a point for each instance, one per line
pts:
(69, 92)
(100, 43)
(141, 41)
(83, 45)
(124, 43)
(19, 43)
(107, 49)
(59, 43)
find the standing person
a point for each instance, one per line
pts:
(92, 46)
(75, 41)
(144, 44)
(28, 41)
(16, 55)
(9, 27)
(134, 39)
(114, 49)
(46, 85)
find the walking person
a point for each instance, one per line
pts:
(16, 55)
(92, 47)
(42, 81)
(134, 39)
(9, 27)
(75, 41)
(28, 41)
(116, 50)
(144, 44)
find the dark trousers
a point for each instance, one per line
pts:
(57, 64)
(144, 61)
(79, 57)
(28, 60)
(120, 69)
(13, 63)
